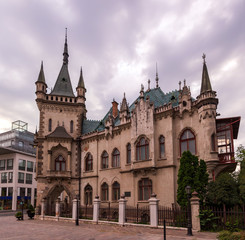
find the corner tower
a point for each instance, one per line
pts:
(57, 140)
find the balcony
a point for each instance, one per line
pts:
(226, 157)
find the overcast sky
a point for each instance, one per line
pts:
(117, 43)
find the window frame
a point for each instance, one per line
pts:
(20, 179)
(187, 141)
(10, 167)
(104, 192)
(115, 158)
(144, 188)
(23, 165)
(88, 195)
(162, 146)
(104, 160)
(61, 163)
(28, 168)
(128, 148)
(2, 164)
(4, 177)
(115, 191)
(71, 126)
(28, 178)
(50, 125)
(89, 162)
(142, 148)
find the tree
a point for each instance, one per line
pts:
(223, 191)
(240, 156)
(192, 174)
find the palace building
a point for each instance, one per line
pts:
(135, 149)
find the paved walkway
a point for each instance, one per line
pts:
(45, 230)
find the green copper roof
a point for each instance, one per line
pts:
(156, 96)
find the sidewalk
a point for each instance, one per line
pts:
(11, 229)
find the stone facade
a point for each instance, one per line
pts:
(133, 151)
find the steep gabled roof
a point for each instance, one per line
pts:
(206, 84)
(59, 132)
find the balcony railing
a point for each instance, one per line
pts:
(226, 157)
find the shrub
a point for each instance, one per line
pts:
(208, 220)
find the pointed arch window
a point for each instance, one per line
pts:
(104, 192)
(89, 162)
(188, 142)
(104, 160)
(60, 163)
(50, 125)
(145, 189)
(213, 143)
(71, 126)
(116, 158)
(128, 153)
(115, 191)
(88, 195)
(162, 146)
(142, 149)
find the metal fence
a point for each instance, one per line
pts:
(66, 210)
(223, 218)
(109, 213)
(86, 212)
(138, 214)
(174, 216)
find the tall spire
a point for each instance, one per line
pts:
(206, 84)
(65, 54)
(81, 81)
(157, 79)
(41, 77)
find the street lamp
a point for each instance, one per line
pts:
(189, 225)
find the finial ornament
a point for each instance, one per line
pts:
(184, 82)
(149, 82)
(157, 76)
(204, 57)
(124, 96)
(142, 87)
(179, 85)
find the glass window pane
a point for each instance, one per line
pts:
(183, 147)
(192, 147)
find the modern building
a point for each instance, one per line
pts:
(17, 167)
(134, 150)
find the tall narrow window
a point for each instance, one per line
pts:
(88, 194)
(115, 191)
(71, 126)
(104, 192)
(89, 162)
(142, 149)
(128, 153)
(116, 158)
(162, 146)
(60, 163)
(104, 160)
(213, 143)
(4, 177)
(188, 142)
(2, 164)
(50, 125)
(145, 189)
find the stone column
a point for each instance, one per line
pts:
(195, 212)
(57, 209)
(122, 210)
(43, 208)
(74, 209)
(96, 209)
(153, 202)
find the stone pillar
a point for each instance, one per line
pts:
(43, 208)
(57, 209)
(74, 209)
(122, 210)
(96, 209)
(195, 212)
(153, 202)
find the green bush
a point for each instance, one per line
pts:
(208, 220)
(227, 235)
(18, 214)
(232, 226)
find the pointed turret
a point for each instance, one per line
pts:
(157, 79)
(124, 110)
(81, 90)
(63, 85)
(41, 85)
(206, 84)
(81, 81)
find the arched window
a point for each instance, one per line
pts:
(104, 160)
(188, 142)
(71, 126)
(142, 149)
(50, 125)
(162, 146)
(128, 153)
(89, 162)
(213, 143)
(115, 191)
(116, 158)
(145, 189)
(88, 195)
(60, 163)
(104, 192)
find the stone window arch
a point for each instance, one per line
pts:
(187, 142)
(104, 160)
(145, 189)
(89, 162)
(142, 149)
(60, 163)
(88, 195)
(115, 158)
(128, 153)
(162, 146)
(115, 191)
(104, 192)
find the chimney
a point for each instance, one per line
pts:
(114, 108)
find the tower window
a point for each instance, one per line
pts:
(50, 125)
(71, 126)
(60, 163)
(162, 146)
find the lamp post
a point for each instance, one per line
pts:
(189, 225)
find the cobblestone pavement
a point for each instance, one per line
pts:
(11, 229)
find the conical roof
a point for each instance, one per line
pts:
(41, 77)
(81, 81)
(206, 84)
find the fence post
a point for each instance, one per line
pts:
(96, 209)
(153, 202)
(122, 210)
(74, 209)
(43, 208)
(195, 212)
(57, 209)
